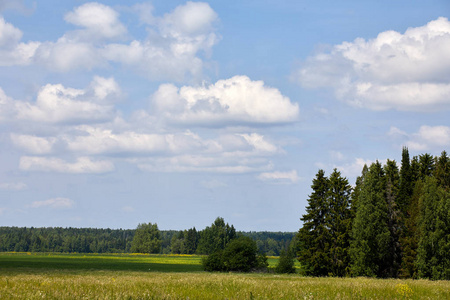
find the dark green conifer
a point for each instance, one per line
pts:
(371, 235)
(313, 237)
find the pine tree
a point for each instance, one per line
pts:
(442, 172)
(433, 260)
(406, 183)
(393, 261)
(313, 237)
(426, 165)
(339, 222)
(410, 239)
(371, 236)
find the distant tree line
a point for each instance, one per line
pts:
(395, 222)
(146, 238)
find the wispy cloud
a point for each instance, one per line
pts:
(425, 139)
(278, 177)
(50, 164)
(56, 203)
(13, 186)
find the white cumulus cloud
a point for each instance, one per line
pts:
(409, 71)
(12, 52)
(34, 144)
(237, 100)
(55, 203)
(58, 104)
(173, 48)
(99, 21)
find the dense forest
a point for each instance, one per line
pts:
(395, 222)
(92, 240)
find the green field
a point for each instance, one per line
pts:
(95, 276)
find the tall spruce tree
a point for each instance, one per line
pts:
(371, 235)
(410, 239)
(313, 237)
(442, 171)
(426, 165)
(433, 259)
(392, 192)
(339, 222)
(406, 183)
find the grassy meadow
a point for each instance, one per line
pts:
(95, 276)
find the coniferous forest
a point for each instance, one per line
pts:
(395, 221)
(95, 240)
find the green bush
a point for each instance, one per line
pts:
(285, 263)
(240, 255)
(214, 262)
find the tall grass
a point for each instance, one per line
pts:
(148, 285)
(109, 282)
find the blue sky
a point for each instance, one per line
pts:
(115, 113)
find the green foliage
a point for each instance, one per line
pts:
(262, 262)
(271, 243)
(214, 262)
(215, 237)
(285, 263)
(313, 237)
(442, 172)
(146, 239)
(433, 259)
(57, 239)
(371, 235)
(410, 237)
(323, 241)
(192, 238)
(240, 255)
(339, 222)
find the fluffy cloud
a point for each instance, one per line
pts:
(66, 55)
(58, 104)
(91, 127)
(81, 166)
(170, 51)
(100, 21)
(237, 100)
(94, 140)
(34, 144)
(173, 45)
(12, 52)
(426, 138)
(407, 71)
(279, 177)
(55, 203)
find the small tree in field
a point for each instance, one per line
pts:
(146, 239)
(285, 263)
(240, 255)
